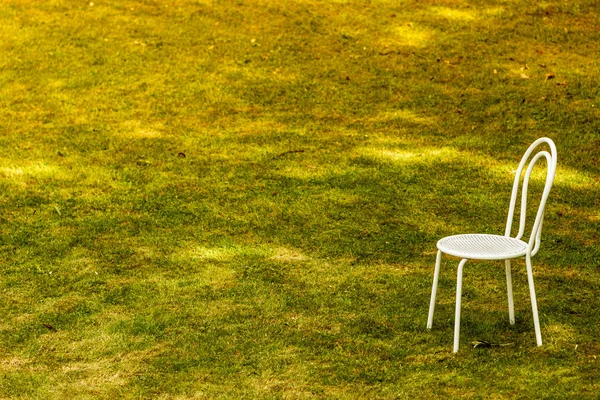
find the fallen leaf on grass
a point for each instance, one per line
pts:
(550, 75)
(484, 344)
(50, 327)
(523, 76)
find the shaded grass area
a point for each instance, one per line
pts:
(229, 199)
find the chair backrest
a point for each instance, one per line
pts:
(536, 231)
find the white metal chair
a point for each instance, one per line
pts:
(495, 247)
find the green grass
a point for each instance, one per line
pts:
(241, 199)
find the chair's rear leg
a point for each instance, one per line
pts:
(459, 274)
(511, 305)
(436, 275)
(536, 320)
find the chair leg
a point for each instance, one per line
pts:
(511, 305)
(458, 300)
(436, 275)
(536, 320)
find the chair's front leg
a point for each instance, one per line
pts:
(536, 320)
(436, 275)
(511, 305)
(459, 274)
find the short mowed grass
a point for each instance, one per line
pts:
(241, 198)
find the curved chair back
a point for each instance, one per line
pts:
(536, 231)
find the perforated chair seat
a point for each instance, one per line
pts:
(482, 247)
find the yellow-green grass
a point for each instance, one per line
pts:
(241, 199)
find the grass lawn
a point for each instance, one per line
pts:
(241, 198)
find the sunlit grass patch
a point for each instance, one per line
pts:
(401, 115)
(456, 14)
(406, 35)
(36, 171)
(421, 156)
(134, 130)
(574, 179)
(304, 171)
(494, 11)
(202, 253)
(283, 254)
